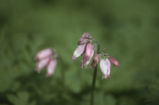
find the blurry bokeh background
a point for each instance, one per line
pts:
(127, 29)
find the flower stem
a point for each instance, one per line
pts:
(93, 86)
(94, 79)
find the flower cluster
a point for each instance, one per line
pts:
(88, 51)
(84, 48)
(46, 58)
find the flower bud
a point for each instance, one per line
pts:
(86, 37)
(114, 61)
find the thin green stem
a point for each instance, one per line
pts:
(93, 86)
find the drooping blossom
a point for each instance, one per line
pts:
(85, 48)
(88, 54)
(78, 52)
(85, 38)
(105, 66)
(114, 61)
(46, 58)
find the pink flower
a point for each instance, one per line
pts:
(88, 54)
(44, 54)
(46, 58)
(84, 48)
(79, 51)
(81, 45)
(114, 61)
(95, 61)
(105, 66)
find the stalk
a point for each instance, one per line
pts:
(93, 86)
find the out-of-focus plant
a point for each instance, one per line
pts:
(46, 58)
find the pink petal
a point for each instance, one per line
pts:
(43, 54)
(95, 61)
(79, 51)
(89, 52)
(51, 67)
(114, 61)
(84, 61)
(41, 64)
(105, 66)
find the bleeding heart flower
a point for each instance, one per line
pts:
(88, 54)
(46, 58)
(114, 61)
(105, 66)
(95, 61)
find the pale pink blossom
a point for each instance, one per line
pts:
(41, 64)
(79, 51)
(43, 54)
(51, 67)
(46, 58)
(95, 61)
(105, 66)
(114, 61)
(85, 49)
(88, 54)
(83, 41)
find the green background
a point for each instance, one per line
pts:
(127, 29)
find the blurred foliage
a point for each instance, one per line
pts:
(128, 29)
